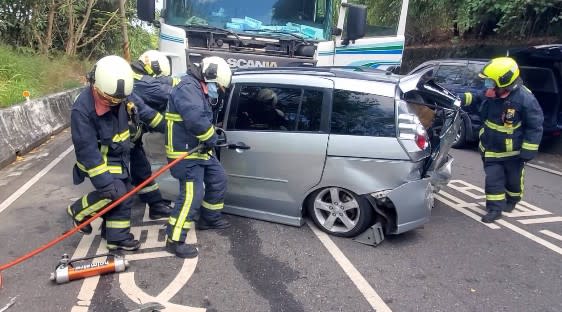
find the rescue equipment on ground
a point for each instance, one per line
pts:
(73, 269)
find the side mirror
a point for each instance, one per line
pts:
(355, 22)
(145, 10)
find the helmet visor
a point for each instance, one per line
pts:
(489, 83)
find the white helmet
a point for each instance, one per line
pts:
(215, 69)
(113, 76)
(155, 63)
(267, 95)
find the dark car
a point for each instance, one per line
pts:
(541, 71)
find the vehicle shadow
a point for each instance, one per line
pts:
(403, 240)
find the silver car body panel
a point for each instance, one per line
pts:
(366, 147)
(413, 202)
(271, 177)
(271, 180)
(365, 86)
(364, 176)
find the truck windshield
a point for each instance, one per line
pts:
(310, 19)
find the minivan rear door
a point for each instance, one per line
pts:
(446, 120)
(276, 126)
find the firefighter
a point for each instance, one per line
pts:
(153, 85)
(100, 134)
(202, 179)
(510, 134)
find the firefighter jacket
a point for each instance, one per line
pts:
(154, 90)
(139, 112)
(189, 118)
(512, 126)
(101, 143)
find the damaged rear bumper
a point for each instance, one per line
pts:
(409, 206)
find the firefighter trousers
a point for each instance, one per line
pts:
(504, 183)
(202, 185)
(116, 222)
(140, 171)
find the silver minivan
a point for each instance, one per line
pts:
(349, 148)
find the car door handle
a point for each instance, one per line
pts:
(239, 145)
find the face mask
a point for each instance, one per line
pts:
(212, 90)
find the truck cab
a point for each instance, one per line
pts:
(272, 33)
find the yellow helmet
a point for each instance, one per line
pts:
(503, 71)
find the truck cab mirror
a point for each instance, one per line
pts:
(145, 10)
(355, 22)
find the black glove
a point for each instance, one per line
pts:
(208, 145)
(113, 190)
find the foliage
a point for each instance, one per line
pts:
(434, 20)
(520, 18)
(87, 28)
(34, 73)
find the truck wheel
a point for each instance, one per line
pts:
(339, 212)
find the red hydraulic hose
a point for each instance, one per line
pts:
(97, 215)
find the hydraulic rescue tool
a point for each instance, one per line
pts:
(68, 270)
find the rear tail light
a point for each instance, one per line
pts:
(411, 133)
(421, 137)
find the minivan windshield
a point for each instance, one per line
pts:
(310, 19)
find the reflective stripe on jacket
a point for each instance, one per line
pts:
(189, 119)
(512, 126)
(101, 143)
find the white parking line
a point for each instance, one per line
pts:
(541, 220)
(552, 234)
(360, 282)
(460, 208)
(5, 204)
(476, 193)
(544, 169)
(530, 236)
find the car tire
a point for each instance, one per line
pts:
(460, 139)
(339, 212)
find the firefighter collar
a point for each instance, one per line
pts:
(100, 104)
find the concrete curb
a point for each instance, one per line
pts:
(25, 126)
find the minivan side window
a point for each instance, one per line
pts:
(357, 113)
(472, 78)
(275, 108)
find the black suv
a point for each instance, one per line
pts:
(541, 71)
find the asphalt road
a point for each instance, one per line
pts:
(455, 263)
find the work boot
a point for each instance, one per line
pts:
(181, 249)
(492, 216)
(159, 210)
(509, 207)
(218, 224)
(129, 244)
(85, 230)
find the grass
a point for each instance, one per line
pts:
(22, 70)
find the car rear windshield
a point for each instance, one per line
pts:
(365, 114)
